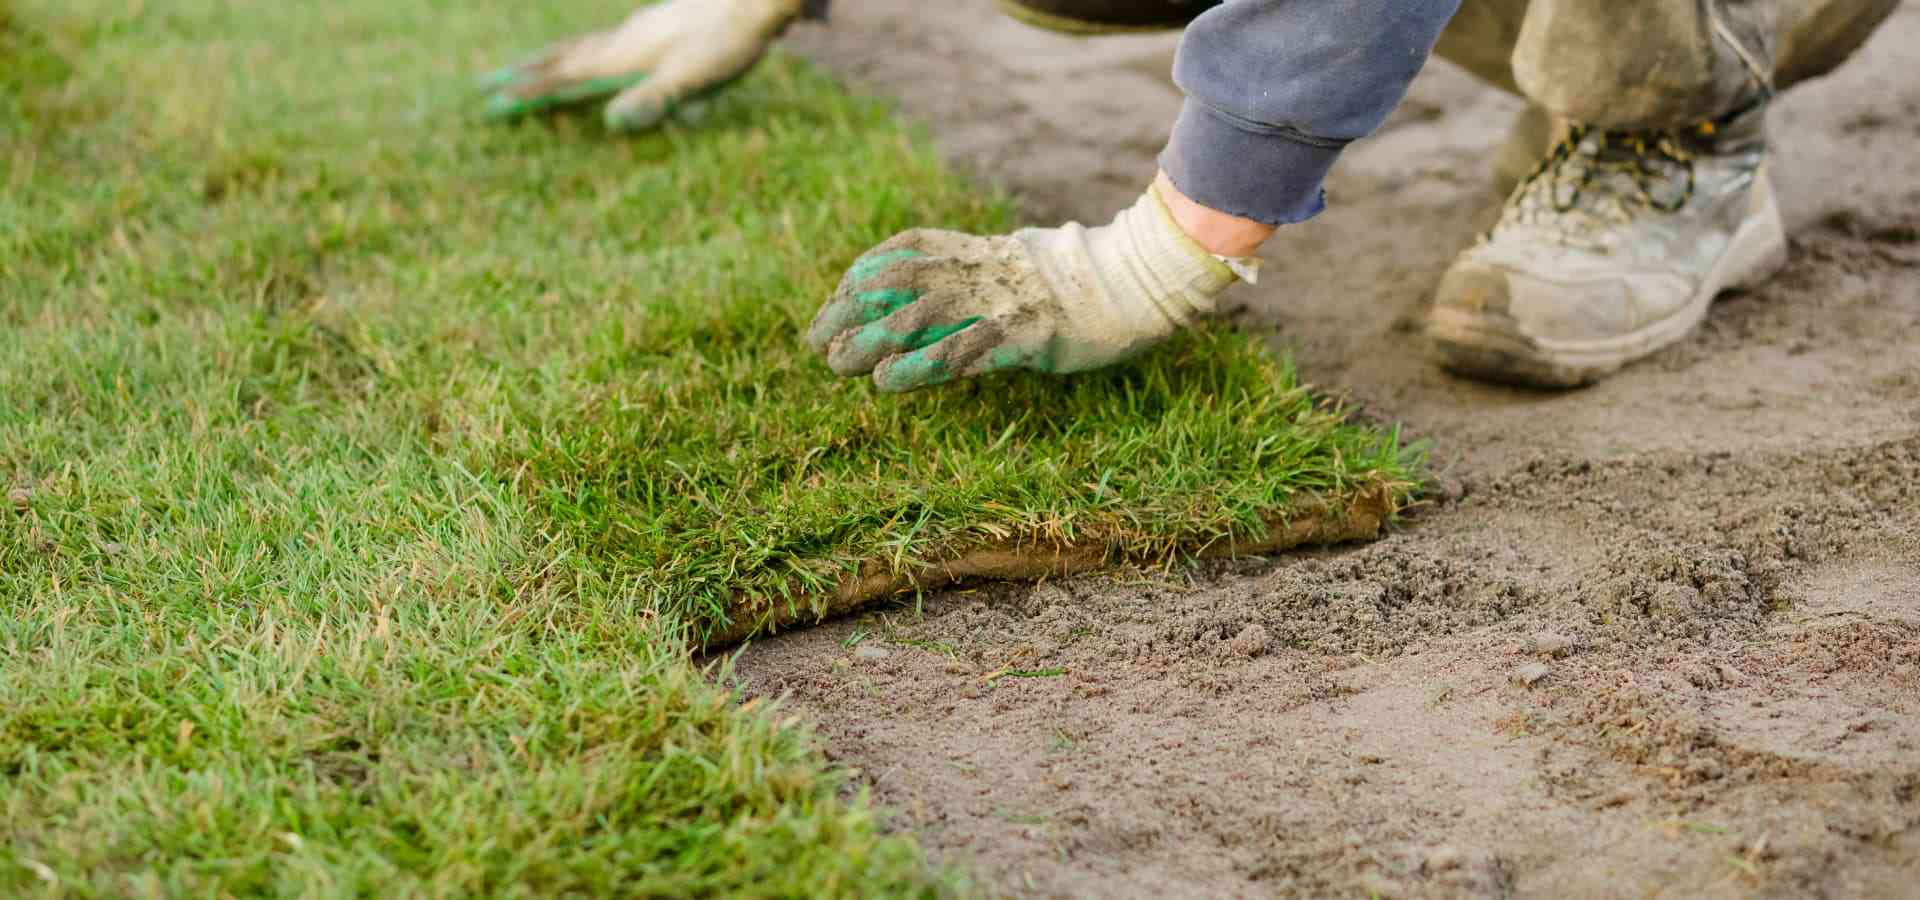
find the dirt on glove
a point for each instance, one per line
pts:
(1660, 637)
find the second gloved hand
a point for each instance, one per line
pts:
(662, 56)
(927, 306)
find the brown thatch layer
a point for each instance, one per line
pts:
(1361, 517)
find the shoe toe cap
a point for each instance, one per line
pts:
(1567, 307)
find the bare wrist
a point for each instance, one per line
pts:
(1219, 233)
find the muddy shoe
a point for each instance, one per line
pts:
(1612, 249)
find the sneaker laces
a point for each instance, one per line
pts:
(1596, 177)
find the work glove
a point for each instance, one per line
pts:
(928, 306)
(663, 56)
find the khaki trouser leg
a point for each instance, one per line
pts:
(1655, 63)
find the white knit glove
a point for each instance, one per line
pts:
(662, 56)
(927, 307)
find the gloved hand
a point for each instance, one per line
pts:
(662, 56)
(927, 307)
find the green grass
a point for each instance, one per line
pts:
(377, 464)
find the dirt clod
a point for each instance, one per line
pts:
(1547, 643)
(1250, 642)
(1444, 859)
(1531, 674)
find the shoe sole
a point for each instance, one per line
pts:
(1491, 350)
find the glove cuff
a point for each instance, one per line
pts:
(1177, 263)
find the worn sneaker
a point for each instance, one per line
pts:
(1612, 249)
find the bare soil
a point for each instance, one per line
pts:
(1660, 637)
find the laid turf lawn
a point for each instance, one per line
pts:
(370, 469)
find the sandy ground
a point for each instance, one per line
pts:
(1659, 637)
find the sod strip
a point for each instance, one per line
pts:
(753, 491)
